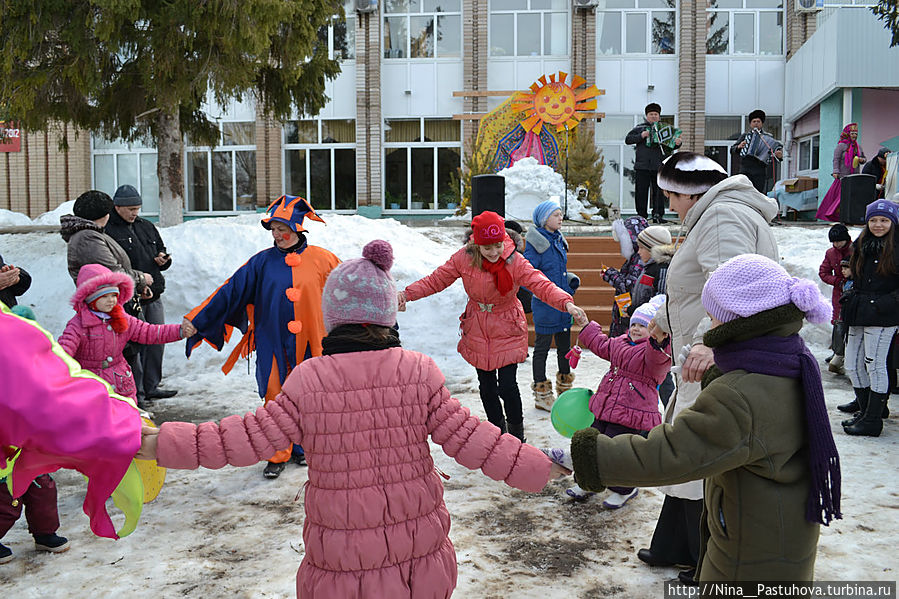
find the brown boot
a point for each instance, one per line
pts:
(564, 382)
(543, 395)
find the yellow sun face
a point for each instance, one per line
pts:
(555, 103)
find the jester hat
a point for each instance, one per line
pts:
(290, 210)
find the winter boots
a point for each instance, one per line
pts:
(273, 469)
(857, 406)
(564, 382)
(836, 365)
(51, 542)
(869, 423)
(616, 500)
(5, 554)
(543, 395)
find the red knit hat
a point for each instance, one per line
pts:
(487, 228)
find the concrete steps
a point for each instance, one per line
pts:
(586, 257)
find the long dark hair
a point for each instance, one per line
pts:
(885, 265)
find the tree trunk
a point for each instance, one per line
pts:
(169, 168)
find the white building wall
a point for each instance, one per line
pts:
(420, 88)
(736, 85)
(627, 84)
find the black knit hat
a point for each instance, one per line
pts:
(126, 195)
(689, 173)
(838, 232)
(652, 107)
(757, 114)
(92, 205)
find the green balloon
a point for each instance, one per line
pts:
(571, 411)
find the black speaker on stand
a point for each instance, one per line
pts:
(488, 192)
(856, 192)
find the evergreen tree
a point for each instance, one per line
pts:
(888, 12)
(586, 166)
(129, 68)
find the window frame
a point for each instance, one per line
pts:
(757, 33)
(221, 148)
(542, 17)
(126, 148)
(812, 169)
(318, 145)
(409, 146)
(648, 32)
(407, 49)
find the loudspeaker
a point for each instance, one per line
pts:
(488, 192)
(856, 192)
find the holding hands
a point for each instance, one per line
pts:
(148, 438)
(400, 301)
(187, 329)
(9, 276)
(580, 317)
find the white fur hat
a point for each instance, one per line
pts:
(689, 173)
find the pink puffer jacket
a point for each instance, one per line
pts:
(628, 394)
(376, 525)
(92, 341)
(494, 329)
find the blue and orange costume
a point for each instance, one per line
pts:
(275, 300)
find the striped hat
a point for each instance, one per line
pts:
(652, 236)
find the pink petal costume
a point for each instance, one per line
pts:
(376, 525)
(94, 343)
(56, 415)
(845, 152)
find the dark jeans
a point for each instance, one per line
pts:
(39, 501)
(646, 188)
(838, 339)
(610, 429)
(496, 384)
(757, 173)
(147, 367)
(676, 538)
(541, 351)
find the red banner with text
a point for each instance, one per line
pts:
(9, 137)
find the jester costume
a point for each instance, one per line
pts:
(275, 300)
(55, 415)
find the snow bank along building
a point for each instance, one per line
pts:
(396, 123)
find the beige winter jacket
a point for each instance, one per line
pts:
(730, 219)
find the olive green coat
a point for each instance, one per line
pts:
(746, 436)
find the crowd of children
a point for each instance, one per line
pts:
(365, 409)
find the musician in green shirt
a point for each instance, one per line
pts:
(756, 150)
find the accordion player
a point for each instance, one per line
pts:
(757, 151)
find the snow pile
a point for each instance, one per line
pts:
(528, 183)
(13, 219)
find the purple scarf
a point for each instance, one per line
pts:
(789, 357)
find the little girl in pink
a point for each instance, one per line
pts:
(98, 332)
(627, 400)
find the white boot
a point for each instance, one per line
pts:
(836, 365)
(579, 494)
(543, 395)
(617, 500)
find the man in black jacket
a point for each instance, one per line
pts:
(755, 168)
(14, 281)
(141, 241)
(646, 165)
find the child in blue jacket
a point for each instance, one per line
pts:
(547, 250)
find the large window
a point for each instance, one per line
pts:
(637, 27)
(745, 27)
(320, 162)
(118, 163)
(422, 28)
(529, 27)
(808, 154)
(420, 157)
(619, 175)
(722, 132)
(223, 179)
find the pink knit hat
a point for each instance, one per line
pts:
(646, 312)
(361, 291)
(749, 284)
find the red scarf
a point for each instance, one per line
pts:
(501, 275)
(117, 319)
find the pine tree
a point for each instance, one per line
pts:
(888, 12)
(131, 68)
(585, 167)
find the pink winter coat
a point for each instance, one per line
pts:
(376, 525)
(494, 329)
(91, 340)
(831, 273)
(628, 394)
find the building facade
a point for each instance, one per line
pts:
(417, 73)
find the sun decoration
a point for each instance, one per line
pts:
(555, 103)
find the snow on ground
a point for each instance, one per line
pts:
(231, 533)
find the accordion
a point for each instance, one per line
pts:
(662, 134)
(759, 145)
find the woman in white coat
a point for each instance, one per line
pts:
(722, 217)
